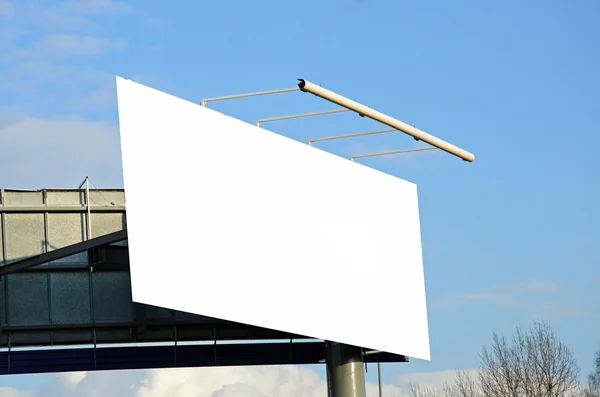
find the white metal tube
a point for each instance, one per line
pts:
(355, 134)
(89, 209)
(300, 115)
(373, 352)
(419, 149)
(363, 110)
(204, 101)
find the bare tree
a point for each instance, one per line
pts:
(534, 363)
(417, 390)
(593, 387)
(464, 385)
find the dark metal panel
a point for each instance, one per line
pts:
(70, 298)
(29, 303)
(154, 312)
(72, 337)
(109, 257)
(30, 338)
(182, 317)
(111, 295)
(110, 335)
(157, 334)
(185, 317)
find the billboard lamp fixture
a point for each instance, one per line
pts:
(307, 86)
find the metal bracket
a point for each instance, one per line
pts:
(215, 343)
(259, 122)
(419, 149)
(203, 102)
(175, 345)
(355, 134)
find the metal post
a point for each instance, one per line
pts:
(345, 372)
(379, 378)
(89, 211)
(329, 373)
(3, 229)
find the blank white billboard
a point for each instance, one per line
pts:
(229, 220)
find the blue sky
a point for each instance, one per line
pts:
(507, 239)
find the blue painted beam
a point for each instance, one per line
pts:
(154, 357)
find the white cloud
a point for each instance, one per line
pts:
(55, 88)
(9, 392)
(57, 46)
(72, 379)
(40, 152)
(101, 97)
(96, 7)
(39, 41)
(535, 285)
(541, 298)
(284, 381)
(506, 295)
(512, 294)
(7, 8)
(68, 14)
(267, 381)
(430, 379)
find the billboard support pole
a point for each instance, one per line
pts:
(345, 370)
(379, 379)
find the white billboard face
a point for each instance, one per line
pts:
(229, 220)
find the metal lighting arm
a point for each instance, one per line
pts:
(204, 101)
(363, 110)
(418, 149)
